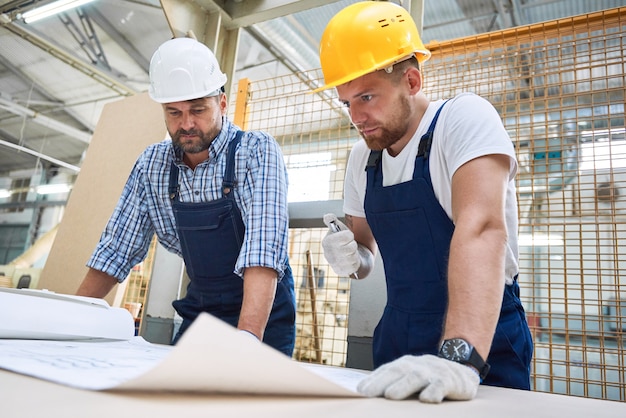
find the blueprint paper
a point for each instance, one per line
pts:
(94, 364)
(210, 357)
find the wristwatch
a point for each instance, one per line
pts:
(459, 350)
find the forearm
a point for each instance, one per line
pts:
(475, 286)
(259, 289)
(96, 284)
(477, 250)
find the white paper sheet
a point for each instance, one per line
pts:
(210, 357)
(41, 314)
(93, 364)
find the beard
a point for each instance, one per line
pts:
(192, 146)
(391, 131)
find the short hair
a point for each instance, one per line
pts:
(400, 67)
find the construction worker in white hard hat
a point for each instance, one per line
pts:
(430, 186)
(213, 194)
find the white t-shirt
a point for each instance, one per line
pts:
(457, 140)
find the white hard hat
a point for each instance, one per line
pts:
(184, 69)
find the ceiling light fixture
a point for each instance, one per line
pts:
(53, 188)
(51, 9)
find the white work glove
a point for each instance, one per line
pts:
(340, 248)
(433, 377)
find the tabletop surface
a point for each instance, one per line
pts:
(213, 372)
(28, 397)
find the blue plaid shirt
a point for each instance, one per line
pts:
(144, 207)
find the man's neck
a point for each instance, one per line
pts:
(192, 160)
(421, 105)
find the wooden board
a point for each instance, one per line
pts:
(125, 129)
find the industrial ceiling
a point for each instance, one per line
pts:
(56, 74)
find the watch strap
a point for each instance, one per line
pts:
(476, 361)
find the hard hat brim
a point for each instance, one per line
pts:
(421, 55)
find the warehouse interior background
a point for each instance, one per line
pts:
(554, 69)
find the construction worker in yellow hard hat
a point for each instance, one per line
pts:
(206, 194)
(431, 186)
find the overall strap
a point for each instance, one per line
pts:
(426, 140)
(229, 174)
(173, 188)
(373, 159)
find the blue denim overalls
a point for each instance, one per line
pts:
(211, 235)
(413, 233)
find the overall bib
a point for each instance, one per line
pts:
(413, 233)
(211, 235)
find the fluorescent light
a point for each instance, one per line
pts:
(51, 9)
(5, 193)
(53, 188)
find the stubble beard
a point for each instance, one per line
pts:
(192, 147)
(391, 131)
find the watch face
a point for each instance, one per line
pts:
(455, 350)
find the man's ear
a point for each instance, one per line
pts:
(223, 103)
(414, 78)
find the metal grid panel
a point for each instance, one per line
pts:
(315, 135)
(137, 282)
(559, 87)
(560, 90)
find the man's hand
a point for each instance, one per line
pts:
(340, 248)
(434, 378)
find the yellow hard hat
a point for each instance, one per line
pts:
(365, 37)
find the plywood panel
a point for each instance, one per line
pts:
(125, 128)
